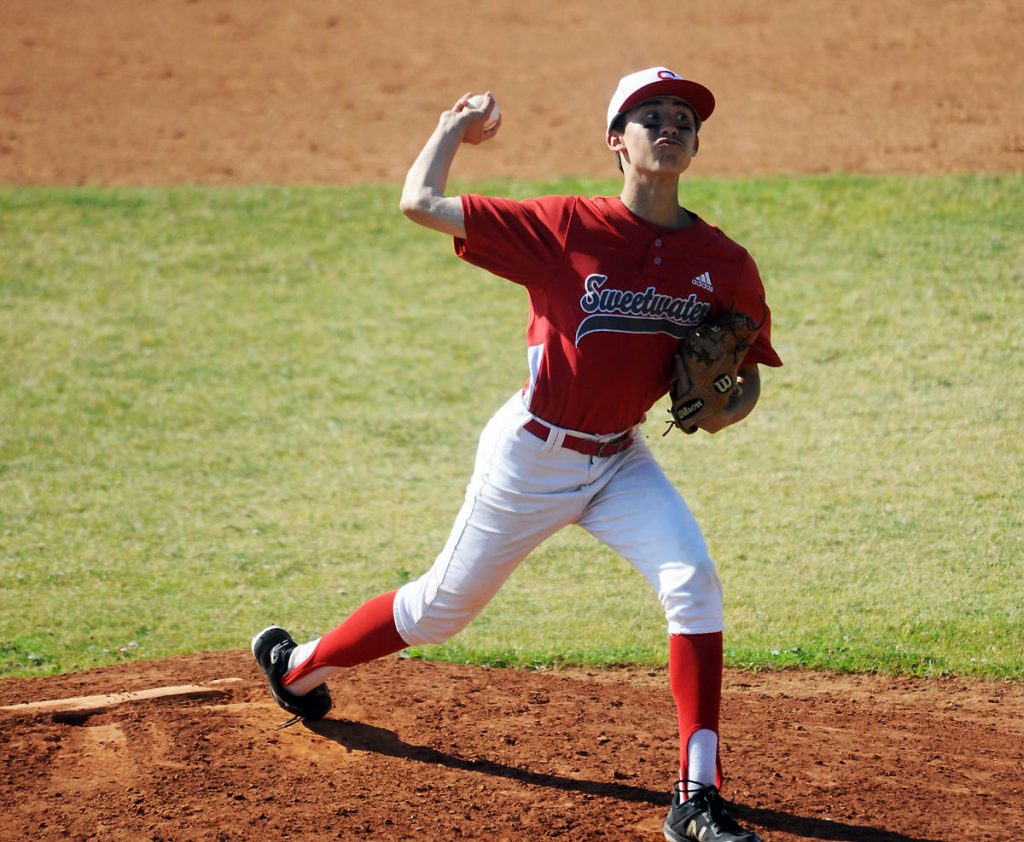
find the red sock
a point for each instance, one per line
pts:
(369, 633)
(695, 675)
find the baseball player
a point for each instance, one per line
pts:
(613, 283)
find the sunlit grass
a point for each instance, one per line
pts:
(221, 408)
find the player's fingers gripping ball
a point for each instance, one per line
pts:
(481, 130)
(478, 102)
(704, 376)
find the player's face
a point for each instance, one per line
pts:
(660, 135)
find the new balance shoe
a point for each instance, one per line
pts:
(271, 648)
(703, 818)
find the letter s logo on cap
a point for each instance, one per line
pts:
(668, 74)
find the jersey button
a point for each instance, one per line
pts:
(657, 243)
(657, 261)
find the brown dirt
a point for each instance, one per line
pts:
(342, 91)
(224, 92)
(445, 752)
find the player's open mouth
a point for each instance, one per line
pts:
(667, 141)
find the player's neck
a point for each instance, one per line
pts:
(656, 202)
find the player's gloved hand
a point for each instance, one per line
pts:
(705, 369)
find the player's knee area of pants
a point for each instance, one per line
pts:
(692, 598)
(420, 622)
(431, 629)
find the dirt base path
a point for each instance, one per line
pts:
(343, 91)
(440, 752)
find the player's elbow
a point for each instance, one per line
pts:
(434, 211)
(421, 206)
(415, 205)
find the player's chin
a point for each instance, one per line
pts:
(665, 166)
(671, 159)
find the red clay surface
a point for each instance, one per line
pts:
(322, 91)
(229, 92)
(443, 752)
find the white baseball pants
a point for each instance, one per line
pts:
(522, 491)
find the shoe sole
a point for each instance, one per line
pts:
(672, 836)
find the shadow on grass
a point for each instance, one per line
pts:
(361, 737)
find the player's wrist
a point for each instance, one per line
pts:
(454, 124)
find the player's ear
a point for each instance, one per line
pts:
(696, 143)
(614, 141)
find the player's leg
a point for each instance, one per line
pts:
(522, 491)
(641, 515)
(485, 546)
(512, 504)
(367, 634)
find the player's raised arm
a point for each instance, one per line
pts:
(423, 197)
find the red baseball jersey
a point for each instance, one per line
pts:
(611, 296)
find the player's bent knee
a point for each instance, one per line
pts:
(433, 629)
(421, 620)
(691, 594)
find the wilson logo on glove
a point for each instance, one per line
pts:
(690, 408)
(723, 384)
(706, 365)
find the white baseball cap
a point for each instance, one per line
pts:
(654, 82)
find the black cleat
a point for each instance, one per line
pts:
(703, 818)
(271, 648)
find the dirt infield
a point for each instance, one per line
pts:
(342, 91)
(249, 91)
(416, 750)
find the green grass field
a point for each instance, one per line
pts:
(226, 407)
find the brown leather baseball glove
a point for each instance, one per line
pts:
(705, 368)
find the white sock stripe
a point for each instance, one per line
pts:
(702, 760)
(314, 679)
(301, 653)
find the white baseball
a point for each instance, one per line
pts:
(477, 101)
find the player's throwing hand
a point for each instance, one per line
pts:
(480, 115)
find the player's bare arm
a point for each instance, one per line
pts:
(423, 196)
(741, 404)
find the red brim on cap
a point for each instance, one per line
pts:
(696, 94)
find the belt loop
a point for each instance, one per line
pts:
(553, 440)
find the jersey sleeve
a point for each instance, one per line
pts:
(522, 241)
(750, 299)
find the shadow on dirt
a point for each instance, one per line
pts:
(357, 736)
(811, 828)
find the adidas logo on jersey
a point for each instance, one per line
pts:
(703, 280)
